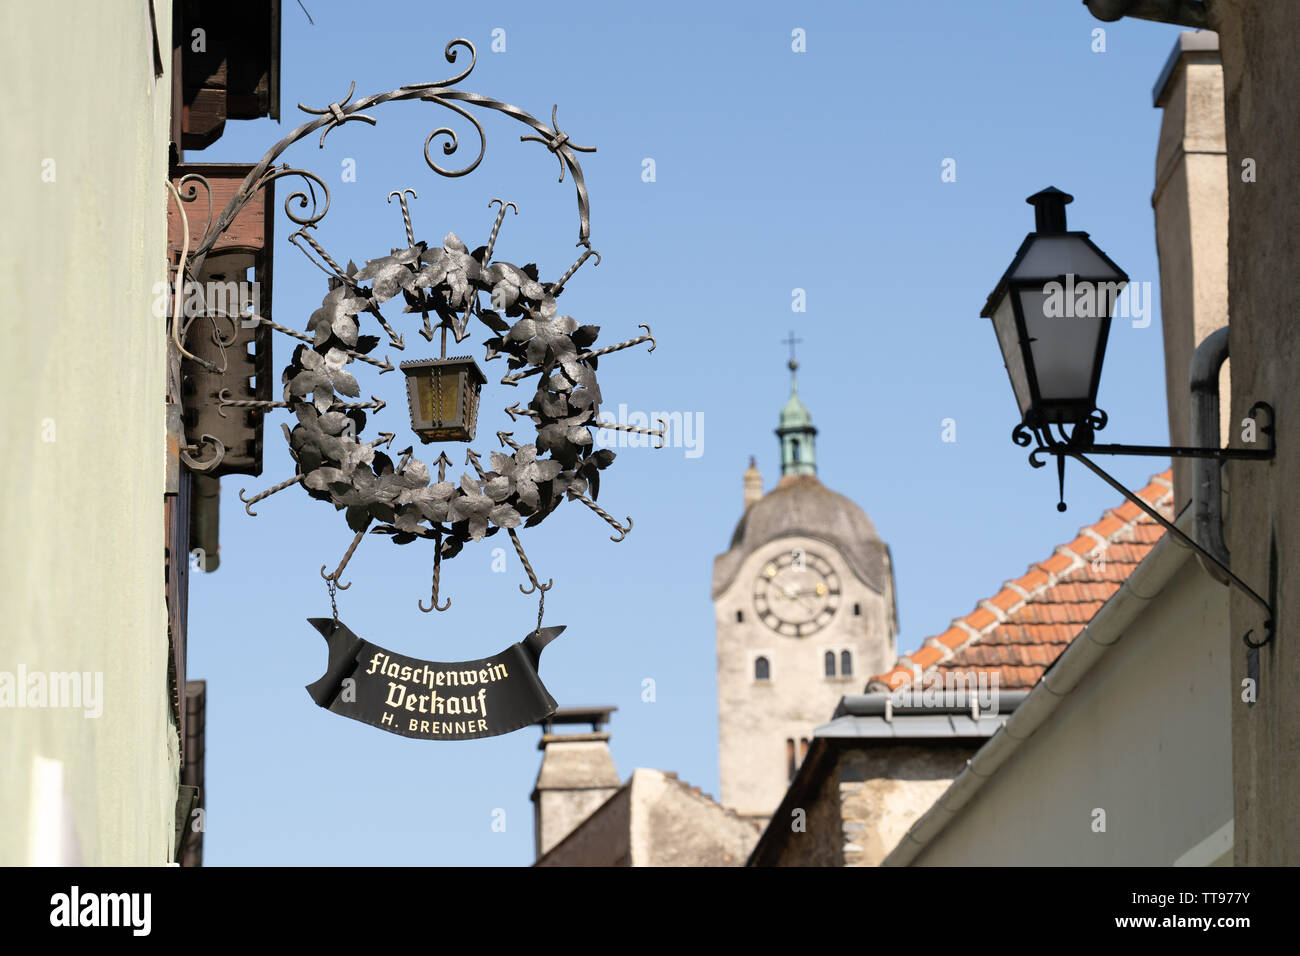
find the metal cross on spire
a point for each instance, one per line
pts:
(791, 341)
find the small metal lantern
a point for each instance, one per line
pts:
(443, 395)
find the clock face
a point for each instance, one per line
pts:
(797, 593)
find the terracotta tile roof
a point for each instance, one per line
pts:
(1021, 630)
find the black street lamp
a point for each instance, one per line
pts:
(1051, 312)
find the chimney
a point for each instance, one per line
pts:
(1191, 211)
(576, 777)
(753, 483)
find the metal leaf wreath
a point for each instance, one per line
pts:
(445, 285)
(520, 487)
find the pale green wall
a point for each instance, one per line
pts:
(1145, 736)
(81, 569)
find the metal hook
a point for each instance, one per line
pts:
(663, 440)
(496, 226)
(1270, 428)
(558, 287)
(333, 577)
(1268, 636)
(622, 532)
(406, 213)
(234, 331)
(193, 464)
(288, 482)
(433, 600)
(653, 343)
(347, 556)
(550, 583)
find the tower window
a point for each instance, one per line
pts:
(830, 663)
(762, 669)
(740, 617)
(846, 664)
(857, 610)
(790, 765)
(803, 748)
(794, 449)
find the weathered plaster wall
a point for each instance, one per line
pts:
(656, 820)
(884, 789)
(603, 839)
(868, 792)
(577, 775)
(81, 517)
(1191, 209)
(813, 838)
(1260, 44)
(673, 824)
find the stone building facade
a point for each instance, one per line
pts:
(804, 601)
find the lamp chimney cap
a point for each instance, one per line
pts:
(1049, 209)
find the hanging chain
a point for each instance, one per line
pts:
(541, 606)
(333, 604)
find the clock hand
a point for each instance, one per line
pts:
(790, 595)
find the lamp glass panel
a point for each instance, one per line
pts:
(438, 403)
(1050, 256)
(1063, 346)
(1004, 325)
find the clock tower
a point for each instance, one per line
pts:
(804, 601)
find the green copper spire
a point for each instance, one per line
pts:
(798, 452)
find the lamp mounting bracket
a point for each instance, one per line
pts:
(1077, 444)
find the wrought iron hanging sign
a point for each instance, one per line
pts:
(445, 285)
(428, 699)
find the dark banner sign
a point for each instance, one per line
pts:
(433, 700)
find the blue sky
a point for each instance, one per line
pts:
(774, 171)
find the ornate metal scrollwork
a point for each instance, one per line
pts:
(403, 500)
(438, 92)
(1060, 444)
